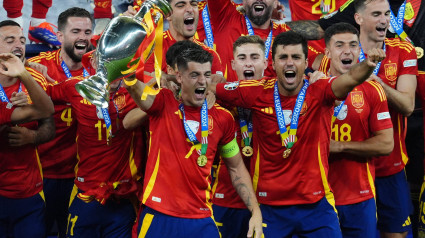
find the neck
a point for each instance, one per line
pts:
(177, 36)
(333, 72)
(368, 44)
(6, 81)
(72, 65)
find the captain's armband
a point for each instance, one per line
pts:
(230, 149)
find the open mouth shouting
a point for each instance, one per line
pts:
(189, 23)
(81, 47)
(290, 76)
(381, 30)
(258, 9)
(248, 74)
(200, 93)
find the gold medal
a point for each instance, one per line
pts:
(286, 153)
(419, 52)
(409, 12)
(247, 151)
(202, 160)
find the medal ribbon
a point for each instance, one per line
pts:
(204, 128)
(362, 57)
(397, 22)
(337, 109)
(4, 98)
(268, 42)
(246, 129)
(207, 27)
(107, 118)
(289, 140)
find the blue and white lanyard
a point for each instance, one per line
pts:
(4, 98)
(268, 42)
(207, 27)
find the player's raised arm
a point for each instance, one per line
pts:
(343, 84)
(42, 106)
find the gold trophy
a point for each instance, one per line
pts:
(116, 48)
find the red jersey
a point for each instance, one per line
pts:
(20, 167)
(302, 177)
(401, 59)
(216, 67)
(58, 156)
(174, 183)
(5, 113)
(101, 165)
(420, 90)
(229, 24)
(224, 194)
(364, 112)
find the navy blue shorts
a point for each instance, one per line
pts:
(155, 224)
(393, 203)
(57, 193)
(308, 220)
(358, 220)
(22, 217)
(232, 222)
(92, 220)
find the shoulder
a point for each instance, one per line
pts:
(395, 43)
(38, 77)
(374, 89)
(280, 27)
(222, 114)
(45, 56)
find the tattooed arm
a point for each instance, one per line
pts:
(19, 136)
(310, 29)
(243, 185)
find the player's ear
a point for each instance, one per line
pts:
(358, 18)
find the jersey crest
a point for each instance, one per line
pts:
(357, 99)
(391, 73)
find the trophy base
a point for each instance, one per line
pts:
(93, 89)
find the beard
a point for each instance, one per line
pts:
(69, 49)
(260, 20)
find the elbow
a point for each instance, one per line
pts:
(408, 111)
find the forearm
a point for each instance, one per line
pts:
(402, 102)
(136, 91)
(345, 83)
(308, 28)
(46, 131)
(378, 145)
(134, 119)
(242, 183)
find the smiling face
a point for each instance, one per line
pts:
(12, 41)
(184, 19)
(289, 62)
(259, 11)
(374, 20)
(75, 38)
(343, 50)
(249, 61)
(194, 81)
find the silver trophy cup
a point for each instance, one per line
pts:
(116, 48)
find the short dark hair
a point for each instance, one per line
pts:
(176, 49)
(9, 23)
(249, 39)
(339, 28)
(72, 12)
(193, 55)
(360, 5)
(290, 38)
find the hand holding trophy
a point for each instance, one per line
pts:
(118, 49)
